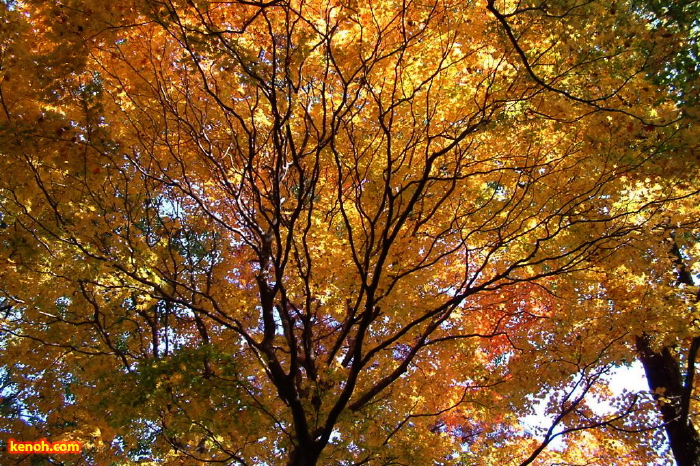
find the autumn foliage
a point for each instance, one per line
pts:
(337, 232)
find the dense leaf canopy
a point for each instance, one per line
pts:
(338, 232)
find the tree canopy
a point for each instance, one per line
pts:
(336, 232)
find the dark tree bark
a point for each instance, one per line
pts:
(672, 389)
(304, 457)
(664, 375)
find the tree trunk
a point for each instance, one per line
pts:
(299, 457)
(666, 382)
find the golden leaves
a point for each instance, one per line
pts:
(342, 227)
